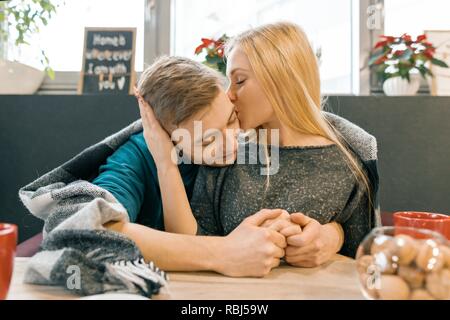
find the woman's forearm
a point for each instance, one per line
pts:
(178, 217)
(334, 235)
(177, 211)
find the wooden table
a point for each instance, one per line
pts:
(334, 280)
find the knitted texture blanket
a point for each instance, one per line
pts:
(77, 252)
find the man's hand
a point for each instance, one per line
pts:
(315, 245)
(252, 250)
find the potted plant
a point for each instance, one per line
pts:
(398, 61)
(26, 17)
(214, 53)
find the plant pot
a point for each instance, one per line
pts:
(401, 87)
(18, 78)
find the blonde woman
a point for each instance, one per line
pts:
(275, 84)
(326, 184)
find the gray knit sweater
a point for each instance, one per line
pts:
(313, 180)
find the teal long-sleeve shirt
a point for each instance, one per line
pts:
(130, 175)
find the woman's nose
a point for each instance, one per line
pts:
(231, 95)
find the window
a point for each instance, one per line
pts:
(330, 29)
(63, 38)
(336, 28)
(416, 16)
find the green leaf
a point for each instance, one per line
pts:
(406, 55)
(223, 68)
(375, 57)
(439, 63)
(50, 72)
(427, 71)
(27, 16)
(422, 72)
(404, 72)
(390, 75)
(213, 59)
(407, 76)
(382, 68)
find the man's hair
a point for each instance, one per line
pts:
(177, 88)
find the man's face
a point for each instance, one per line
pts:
(210, 136)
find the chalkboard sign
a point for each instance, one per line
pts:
(108, 61)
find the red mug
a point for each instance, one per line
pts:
(8, 241)
(424, 220)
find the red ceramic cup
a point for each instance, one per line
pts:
(424, 220)
(8, 241)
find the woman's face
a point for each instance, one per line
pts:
(252, 106)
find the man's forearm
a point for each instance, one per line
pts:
(173, 252)
(248, 251)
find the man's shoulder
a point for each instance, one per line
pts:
(133, 152)
(138, 140)
(135, 144)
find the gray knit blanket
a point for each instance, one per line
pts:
(79, 254)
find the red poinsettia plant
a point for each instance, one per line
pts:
(401, 56)
(215, 53)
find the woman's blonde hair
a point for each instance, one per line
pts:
(287, 69)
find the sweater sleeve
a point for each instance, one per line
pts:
(356, 220)
(204, 202)
(125, 173)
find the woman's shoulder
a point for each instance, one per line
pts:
(359, 140)
(210, 174)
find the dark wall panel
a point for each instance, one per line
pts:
(37, 133)
(413, 136)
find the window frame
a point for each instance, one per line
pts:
(158, 40)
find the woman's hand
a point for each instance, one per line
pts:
(284, 216)
(315, 245)
(283, 224)
(158, 140)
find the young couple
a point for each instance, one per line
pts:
(221, 215)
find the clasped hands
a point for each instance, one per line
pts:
(308, 244)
